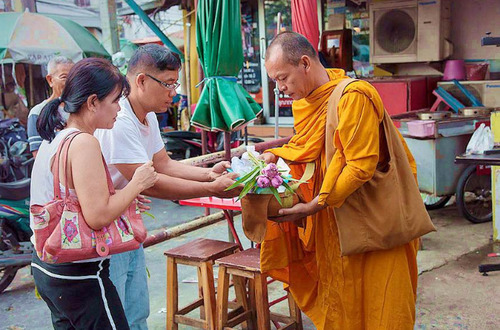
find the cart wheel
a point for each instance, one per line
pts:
(434, 203)
(474, 200)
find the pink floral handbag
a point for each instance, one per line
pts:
(63, 235)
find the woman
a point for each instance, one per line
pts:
(80, 295)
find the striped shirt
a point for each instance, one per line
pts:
(34, 139)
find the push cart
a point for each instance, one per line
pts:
(439, 178)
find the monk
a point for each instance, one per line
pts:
(373, 290)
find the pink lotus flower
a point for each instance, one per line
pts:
(276, 181)
(271, 170)
(263, 181)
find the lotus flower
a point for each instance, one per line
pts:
(263, 181)
(276, 181)
(271, 170)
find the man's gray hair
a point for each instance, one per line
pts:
(55, 61)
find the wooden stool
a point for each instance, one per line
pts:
(200, 253)
(246, 264)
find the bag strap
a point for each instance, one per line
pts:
(332, 120)
(63, 152)
(55, 164)
(307, 175)
(111, 187)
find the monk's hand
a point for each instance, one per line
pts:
(298, 211)
(268, 157)
(219, 169)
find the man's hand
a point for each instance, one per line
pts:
(222, 182)
(218, 170)
(268, 157)
(298, 211)
(141, 201)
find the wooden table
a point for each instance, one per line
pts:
(487, 160)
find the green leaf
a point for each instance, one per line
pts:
(149, 214)
(247, 177)
(287, 187)
(277, 195)
(247, 188)
(256, 161)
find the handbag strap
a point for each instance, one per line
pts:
(332, 120)
(63, 152)
(55, 164)
(111, 187)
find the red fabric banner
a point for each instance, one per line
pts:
(305, 20)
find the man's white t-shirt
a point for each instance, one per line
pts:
(129, 141)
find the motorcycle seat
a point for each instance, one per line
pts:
(16, 190)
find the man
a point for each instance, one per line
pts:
(374, 290)
(153, 72)
(57, 71)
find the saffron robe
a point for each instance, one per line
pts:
(373, 290)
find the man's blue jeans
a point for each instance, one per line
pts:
(128, 273)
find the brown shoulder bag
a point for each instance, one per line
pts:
(387, 211)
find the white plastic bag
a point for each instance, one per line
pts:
(481, 140)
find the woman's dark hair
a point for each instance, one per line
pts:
(89, 76)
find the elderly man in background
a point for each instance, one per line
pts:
(57, 71)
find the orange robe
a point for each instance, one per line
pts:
(373, 290)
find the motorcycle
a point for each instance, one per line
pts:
(16, 248)
(182, 144)
(15, 168)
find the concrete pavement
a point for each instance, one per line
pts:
(455, 238)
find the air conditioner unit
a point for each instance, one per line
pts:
(409, 31)
(486, 91)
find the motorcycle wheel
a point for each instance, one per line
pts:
(474, 199)
(7, 275)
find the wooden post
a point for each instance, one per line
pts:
(172, 293)
(207, 274)
(110, 38)
(204, 142)
(222, 297)
(32, 86)
(262, 302)
(227, 146)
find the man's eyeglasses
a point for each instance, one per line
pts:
(164, 84)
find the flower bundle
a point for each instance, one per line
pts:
(261, 178)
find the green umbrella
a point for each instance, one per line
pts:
(224, 105)
(35, 38)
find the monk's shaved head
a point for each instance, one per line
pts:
(293, 46)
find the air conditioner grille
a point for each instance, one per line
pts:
(395, 31)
